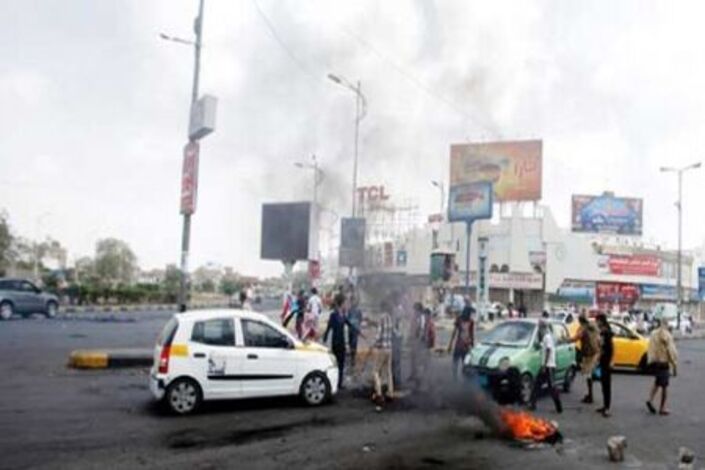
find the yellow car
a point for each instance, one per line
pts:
(630, 347)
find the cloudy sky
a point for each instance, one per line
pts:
(95, 109)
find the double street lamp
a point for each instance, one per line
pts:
(360, 113)
(679, 280)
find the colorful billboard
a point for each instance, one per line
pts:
(615, 293)
(513, 167)
(607, 214)
(471, 201)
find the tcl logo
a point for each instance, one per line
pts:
(372, 193)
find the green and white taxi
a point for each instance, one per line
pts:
(507, 359)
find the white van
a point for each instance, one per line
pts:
(228, 354)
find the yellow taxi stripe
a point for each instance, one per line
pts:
(179, 350)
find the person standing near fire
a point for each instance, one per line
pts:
(462, 339)
(382, 372)
(589, 339)
(337, 322)
(548, 368)
(662, 357)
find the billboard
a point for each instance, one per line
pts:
(615, 293)
(286, 229)
(607, 214)
(577, 291)
(513, 167)
(658, 292)
(470, 201)
(352, 242)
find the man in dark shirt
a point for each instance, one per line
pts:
(606, 353)
(336, 326)
(354, 317)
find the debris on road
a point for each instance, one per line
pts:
(686, 459)
(615, 448)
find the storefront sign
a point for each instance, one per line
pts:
(614, 293)
(520, 281)
(635, 265)
(658, 292)
(577, 291)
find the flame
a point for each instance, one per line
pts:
(525, 426)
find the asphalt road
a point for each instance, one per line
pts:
(54, 417)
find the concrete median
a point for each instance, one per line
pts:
(110, 358)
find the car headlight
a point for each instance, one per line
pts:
(503, 364)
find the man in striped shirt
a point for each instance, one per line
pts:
(382, 372)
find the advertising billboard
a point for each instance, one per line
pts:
(615, 293)
(577, 291)
(471, 201)
(634, 265)
(607, 214)
(513, 167)
(352, 242)
(285, 231)
(658, 292)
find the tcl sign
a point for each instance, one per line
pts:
(189, 178)
(372, 194)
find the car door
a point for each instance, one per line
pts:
(565, 351)
(21, 297)
(626, 347)
(34, 298)
(216, 358)
(271, 363)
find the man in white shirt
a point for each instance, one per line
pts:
(548, 367)
(314, 308)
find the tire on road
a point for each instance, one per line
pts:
(526, 387)
(51, 309)
(6, 310)
(315, 389)
(183, 396)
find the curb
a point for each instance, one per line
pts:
(109, 358)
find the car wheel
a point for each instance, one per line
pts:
(183, 396)
(315, 389)
(568, 379)
(6, 310)
(526, 387)
(52, 309)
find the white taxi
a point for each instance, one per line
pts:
(229, 354)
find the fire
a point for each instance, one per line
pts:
(524, 426)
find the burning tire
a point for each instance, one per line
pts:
(526, 388)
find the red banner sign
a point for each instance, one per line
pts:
(189, 178)
(635, 265)
(614, 293)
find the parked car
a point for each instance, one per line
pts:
(507, 360)
(19, 296)
(630, 348)
(229, 354)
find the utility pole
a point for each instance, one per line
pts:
(186, 232)
(358, 95)
(679, 206)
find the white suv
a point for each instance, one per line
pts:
(226, 354)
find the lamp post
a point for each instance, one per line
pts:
(360, 113)
(441, 187)
(186, 230)
(679, 205)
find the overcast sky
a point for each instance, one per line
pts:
(95, 109)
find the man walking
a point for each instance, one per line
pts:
(589, 339)
(606, 354)
(313, 313)
(548, 368)
(662, 356)
(336, 325)
(383, 357)
(354, 317)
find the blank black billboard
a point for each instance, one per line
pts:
(285, 231)
(352, 242)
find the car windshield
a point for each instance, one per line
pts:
(513, 334)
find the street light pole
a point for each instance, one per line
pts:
(679, 262)
(441, 187)
(186, 231)
(360, 112)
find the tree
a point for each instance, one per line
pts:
(114, 262)
(172, 279)
(6, 242)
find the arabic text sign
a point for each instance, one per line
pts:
(607, 214)
(635, 265)
(515, 168)
(472, 201)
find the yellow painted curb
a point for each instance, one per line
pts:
(86, 359)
